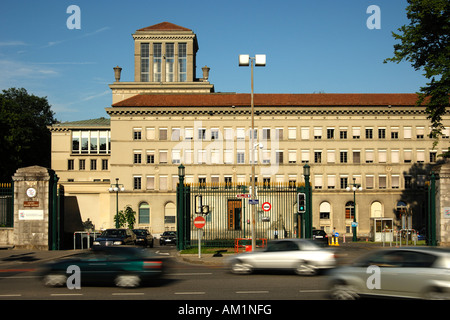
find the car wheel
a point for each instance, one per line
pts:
(305, 269)
(55, 280)
(127, 281)
(343, 291)
(436, 294)
(239, 267)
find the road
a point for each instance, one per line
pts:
(183, 281)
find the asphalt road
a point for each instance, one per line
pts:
(184, 281)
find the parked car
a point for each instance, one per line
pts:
(123, 266)
(303, 256)
(320, 236)
(116, 237)
(143, 237)
(168, 237)
(401, 272)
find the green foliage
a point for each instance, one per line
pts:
(425, 44)
(24, 137)
(126, 217)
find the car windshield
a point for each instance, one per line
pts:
(140, 232)
(113, 233)
(169, 233)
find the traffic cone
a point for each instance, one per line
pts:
(337, 242)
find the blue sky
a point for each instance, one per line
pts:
(311, 46)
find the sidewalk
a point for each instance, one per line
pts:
(23, 256)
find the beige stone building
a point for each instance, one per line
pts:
(167, 117)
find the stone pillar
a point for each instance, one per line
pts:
(31, 208)
(443, 205)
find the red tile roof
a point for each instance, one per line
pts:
(165, 26)
(266, 99)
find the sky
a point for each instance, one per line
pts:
(310, 45)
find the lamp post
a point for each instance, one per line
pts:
(308, 213)
(181, 219)
(116, 187)
(260, 61)
(355, 186)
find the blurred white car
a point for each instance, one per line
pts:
(303, 256)
(422, 273)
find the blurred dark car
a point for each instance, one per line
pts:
(122, 266)
(116, 237)
(168, 237)
(410, 272)
(143, 237)
(321, 237)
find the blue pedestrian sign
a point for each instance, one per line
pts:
(253, 201)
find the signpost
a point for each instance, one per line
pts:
(243, 195)
(266, 206)
(199, 223)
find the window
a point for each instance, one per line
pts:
(382, 156)
(381, 133)
(162, 134)
(305, 133)
(407, 153)
(201, 134)
(292, 154)
(369, 133)
(91, 141)
(93, 164)
(240, 133)
(356, 132)
(201, 156)
(317, 133)
(279, 133)
(170, 62)
(344, 182)
(395, 181)
(331, 156)
(163, 185)
(343, 156)
(215, 156)
(343, 133)
(395, 156)
(240, 156)
(228, 132)
(433, 156)
(394, 133)
(317, 156)
(157, 62)
(137, 134)
(137, 157)
(382, 182)
(137, 183)
(163, 156)
(266, 156)
(349, 210)
(331, 181)
(145, 62)
(318, 181)
(370, 182)
(292, 133)
(356, 156)
(150, 133)
(188, 133)
(176, 156)
(407, 133)
(144, 213)
(82, 164)
(228, 156)
(182, 62)
(420, 154)
(70, 164)
(325, 209)
(305, 156)
(369, 156)
(214, 134)
(175, 134)
(279, 157)
(104, 164)
(330, 133)
(150, 157)
(150, 183)
(420, 132)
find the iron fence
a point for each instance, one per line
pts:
(6, 205)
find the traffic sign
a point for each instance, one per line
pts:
(253, 201)
(243, 195)
(266, 206)
(199, 222)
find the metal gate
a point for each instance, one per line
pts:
(227, 211)
(6, 205)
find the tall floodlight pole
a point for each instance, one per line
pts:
(258, 60)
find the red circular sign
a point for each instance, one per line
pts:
(266, 206)
(199, 222)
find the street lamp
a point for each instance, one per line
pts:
(307, 218)
(355, 187)
(116, 187)
(258, 60)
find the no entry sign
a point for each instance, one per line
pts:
(266, 206)
(199, 222)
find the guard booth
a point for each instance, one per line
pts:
(382, 229)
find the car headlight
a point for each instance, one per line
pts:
(117, 243)
(139, 239)
(96, 243)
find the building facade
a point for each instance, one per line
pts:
(167, 117)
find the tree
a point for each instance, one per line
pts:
(24, 137)
(425, 43)
(126, 217)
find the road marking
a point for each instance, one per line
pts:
(191, 292)
(312, 291)
(251, 292)
(190, 274)
(128, 294)
(10, 295)
(65, 294)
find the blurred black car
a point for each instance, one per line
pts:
(168, 237)
(143, 237)
(116, 237)
(122, 266)
(320, 236)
